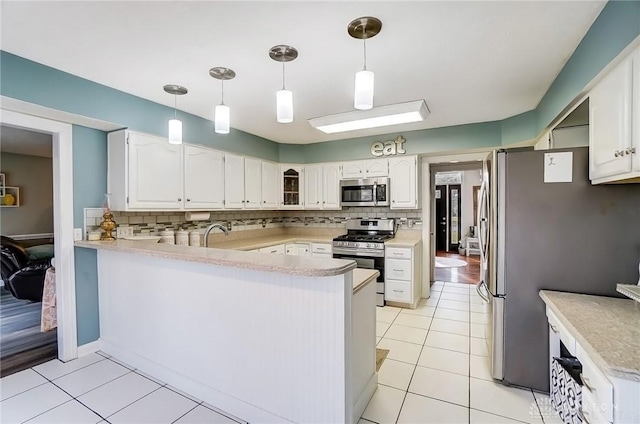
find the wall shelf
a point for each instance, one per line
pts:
(13, 191)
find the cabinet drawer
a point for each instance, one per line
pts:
(320, 248)
(397, 269)
(597, 384)
(279, 249)
(399, 291)
(593, 409)
(398, 252)
(555, 326)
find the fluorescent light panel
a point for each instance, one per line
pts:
(400, 113)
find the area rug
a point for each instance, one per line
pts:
(449, 262)
(381, 355)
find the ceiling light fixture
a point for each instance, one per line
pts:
(400, 113)
(284, 97)
(175, 125)
(222, 112)
(363, 28)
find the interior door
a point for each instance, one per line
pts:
(441, 217)
(453, 216)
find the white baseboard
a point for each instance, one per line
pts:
(88, 348)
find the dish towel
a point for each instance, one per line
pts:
(49, 315)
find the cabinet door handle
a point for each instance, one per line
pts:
(583, 415)
(553, 328)
(618, 153)
(264, 201)
(324, 203)
(633, 150)
(179, 199)
(188, 200)
(274, 251)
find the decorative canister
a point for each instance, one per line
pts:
(194, 238)
(166, 236)
(182, 238)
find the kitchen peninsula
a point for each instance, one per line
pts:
(268, 338)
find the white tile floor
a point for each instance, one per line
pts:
(436, 372)
(97, 389)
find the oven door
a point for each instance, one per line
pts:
(367, 262)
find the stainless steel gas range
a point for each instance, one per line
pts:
(364, 243)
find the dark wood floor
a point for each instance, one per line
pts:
(469, 274)
(22, 345)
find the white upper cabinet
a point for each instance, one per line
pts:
(234, 181)
(614, 124)
(331, 186)
(270, 185)
(144, 172)
(370, 168)
(203, 178)
(353, 169)
(313, 187)
(291, 186)
(376, 168)
(252, 183)
(403, 180)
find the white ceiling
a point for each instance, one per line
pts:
(470, 61)
(24, 142)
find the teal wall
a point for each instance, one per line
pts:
(617, 25)
(89, 187)
(446, 139)
(36, 83)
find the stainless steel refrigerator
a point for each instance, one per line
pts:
(565, 236)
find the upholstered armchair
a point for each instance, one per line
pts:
(22, 276)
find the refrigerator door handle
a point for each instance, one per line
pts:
(481, 289)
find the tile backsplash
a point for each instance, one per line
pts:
(151, 223)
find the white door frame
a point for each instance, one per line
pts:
(428, 208)
(61, 134)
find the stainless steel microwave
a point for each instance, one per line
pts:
(365, 192)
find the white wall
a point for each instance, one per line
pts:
(470, 178)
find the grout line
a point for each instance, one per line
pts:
(184, 413)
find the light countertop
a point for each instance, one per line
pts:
(362, 277)
(405, 238)
(607, 328)
(285, 264)
(270, 240)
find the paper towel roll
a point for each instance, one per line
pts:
(197, 216)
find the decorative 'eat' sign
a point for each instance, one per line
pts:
(389, 148)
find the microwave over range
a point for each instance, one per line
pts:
(365, 192)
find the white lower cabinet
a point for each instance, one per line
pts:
(297, 249)
(402, 275)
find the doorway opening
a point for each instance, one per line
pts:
(27, 230)
(455, 255)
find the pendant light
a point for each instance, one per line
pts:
(284, 97)
(363, 28)
(175, 125)
(222, 112)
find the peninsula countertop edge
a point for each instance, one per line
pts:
(284, 264)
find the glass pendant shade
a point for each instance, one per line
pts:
(284, 106)
(363, 98)
(222, 118)
(175, 131)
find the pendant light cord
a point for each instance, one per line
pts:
(364, 44)
(175, 106)
(222, 96)
(283, 74)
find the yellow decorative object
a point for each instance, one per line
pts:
(108, 225)
(8, 199)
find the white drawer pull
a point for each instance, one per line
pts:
(398, 270)
(398, 291)
(585, 380)
(397, 253)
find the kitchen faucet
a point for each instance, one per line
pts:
(211, 228)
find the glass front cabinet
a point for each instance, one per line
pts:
(292, 185)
